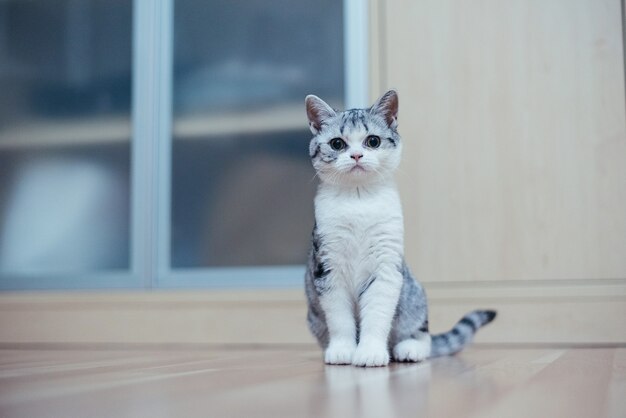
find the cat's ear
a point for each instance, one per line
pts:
(387, 107)
(317, 111)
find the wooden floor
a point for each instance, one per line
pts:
(292, 382)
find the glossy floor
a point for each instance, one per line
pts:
(292, 382)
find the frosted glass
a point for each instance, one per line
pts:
(242, 182)
(65, 78)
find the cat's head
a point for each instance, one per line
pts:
(356, 146)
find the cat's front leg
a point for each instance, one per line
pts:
(377, 305)
(339, 311)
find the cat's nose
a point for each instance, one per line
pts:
(356, 157)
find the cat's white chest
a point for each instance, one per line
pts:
(359, 231)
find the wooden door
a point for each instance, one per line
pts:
(514, 173)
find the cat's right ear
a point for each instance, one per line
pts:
(387, 107)
(317, 111)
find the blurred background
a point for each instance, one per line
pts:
(240, 184)
(153, 145)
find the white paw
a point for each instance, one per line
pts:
(412, 349)
(371, 355)
(339, 353)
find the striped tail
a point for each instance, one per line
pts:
(457, 338)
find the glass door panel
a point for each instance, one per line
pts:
(65, 78)
(242, 184)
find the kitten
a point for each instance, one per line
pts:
(363, 302)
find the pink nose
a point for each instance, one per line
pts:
(356, 157)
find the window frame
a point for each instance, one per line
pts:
(151, 159)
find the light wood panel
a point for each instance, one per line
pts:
(579, 314)
(284, 382)
(513, 119)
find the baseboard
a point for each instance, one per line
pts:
(528, 313)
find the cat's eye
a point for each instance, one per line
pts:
(372, 141)
(337, 144)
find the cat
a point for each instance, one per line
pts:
(363, 302)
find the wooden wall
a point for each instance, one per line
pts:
(514, 173)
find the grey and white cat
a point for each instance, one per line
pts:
(363, 302)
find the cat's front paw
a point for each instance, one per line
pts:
(371, 355)
(339, 353)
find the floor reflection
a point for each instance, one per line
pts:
(374, 391)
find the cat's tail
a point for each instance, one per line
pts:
(461, 335)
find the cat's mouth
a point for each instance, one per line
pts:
(357, 169)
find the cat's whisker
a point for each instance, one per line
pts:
(314, 176)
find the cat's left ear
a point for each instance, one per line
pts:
(317, 111)
(387, 107)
